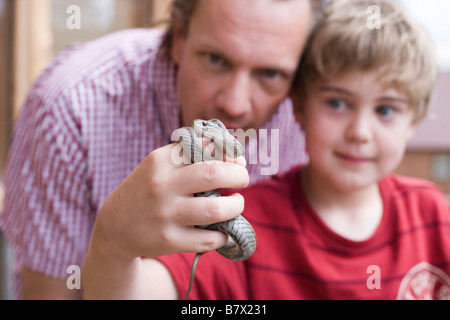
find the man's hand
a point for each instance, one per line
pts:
(152, 213)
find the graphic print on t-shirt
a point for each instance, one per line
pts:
(425, 282)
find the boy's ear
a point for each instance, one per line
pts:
(415, 124)
(413, 128)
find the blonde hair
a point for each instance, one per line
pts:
(401, 50)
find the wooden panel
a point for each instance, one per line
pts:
(2, 195)
(6, 78)
(160, 12)
(420, 165)
(143, 13)
(97, 19)
(6, 106)
(416, 164)
(32, 45)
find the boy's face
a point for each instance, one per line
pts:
(356, 130)
(237, 61)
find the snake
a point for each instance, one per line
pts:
(241, 242)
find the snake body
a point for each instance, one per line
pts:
(241, 236)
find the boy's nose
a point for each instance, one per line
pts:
(359, 129)
(234, 97)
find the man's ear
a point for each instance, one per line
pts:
(178, 38)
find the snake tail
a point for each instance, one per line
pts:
(194, 267)
(241, 238)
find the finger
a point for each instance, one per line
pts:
(210, 175)
(175, 153)
(239, 160)
(192, 239)
(209, 210)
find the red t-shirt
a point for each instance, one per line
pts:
(299, 257)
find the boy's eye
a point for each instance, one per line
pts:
(385, 111)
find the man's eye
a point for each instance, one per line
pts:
(271, 74)
(215, 59)
(336, 104)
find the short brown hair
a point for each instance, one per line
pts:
(400, 50)
(183, 10)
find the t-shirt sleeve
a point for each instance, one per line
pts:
(47, 216)
(216, 277)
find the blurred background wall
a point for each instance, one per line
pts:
(32, 32)
(428, 153)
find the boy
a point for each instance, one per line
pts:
(344, 226)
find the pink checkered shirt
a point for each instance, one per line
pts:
(89, 120)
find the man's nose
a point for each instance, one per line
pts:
(234, 97)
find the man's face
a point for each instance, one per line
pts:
(238, 60)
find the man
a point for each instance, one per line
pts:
(86, 151)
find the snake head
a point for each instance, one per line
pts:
(216, 131)
(209, 128)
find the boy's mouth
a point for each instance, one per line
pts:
(355, 159)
